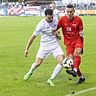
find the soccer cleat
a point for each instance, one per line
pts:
(27, 76)
(81, 80)
(50, 82)
(72, 72)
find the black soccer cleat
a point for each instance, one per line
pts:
(81, 80)
(72, 72)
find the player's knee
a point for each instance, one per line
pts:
(60, 59)
(77, 53)
(38, 63)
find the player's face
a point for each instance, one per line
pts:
(53, 6)
(49, 18)
(70, 13)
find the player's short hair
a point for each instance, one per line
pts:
(48, 12)
(70, 6)
(53, 2)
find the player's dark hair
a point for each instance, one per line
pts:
(48, 12)
(70, 6)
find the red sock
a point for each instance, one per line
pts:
(77, 61)
(79, 73)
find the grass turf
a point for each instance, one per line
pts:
(14, 34)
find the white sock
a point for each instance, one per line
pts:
(56, 71)
(75, 70)
(33, 67)
(81, 76)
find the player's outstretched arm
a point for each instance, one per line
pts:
(30, 41)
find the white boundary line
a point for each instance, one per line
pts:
(80, 92)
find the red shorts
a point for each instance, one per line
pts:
(73, 45)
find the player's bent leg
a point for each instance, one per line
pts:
(54, 74)
(77, 61)
(74, 71)
(59, 55)
(33, 67)
(56, 70)
(77, 58)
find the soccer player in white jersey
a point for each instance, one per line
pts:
(56, 12)
(48, 44)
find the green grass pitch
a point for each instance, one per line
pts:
(14, 34)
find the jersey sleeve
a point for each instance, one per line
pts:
(59, 24)
(38, 28)
(81, 27)
(55, 22)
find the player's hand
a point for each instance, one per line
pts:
(58, 37)
(56, 32)
(26, 53)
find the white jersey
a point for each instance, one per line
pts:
(46, 29)
(56, 13)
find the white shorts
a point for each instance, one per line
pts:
(45, 51)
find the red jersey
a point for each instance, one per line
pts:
(71, 28)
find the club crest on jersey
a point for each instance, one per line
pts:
(73, 24)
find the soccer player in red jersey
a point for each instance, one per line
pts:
(72, 29)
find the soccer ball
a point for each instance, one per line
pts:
(67, 63)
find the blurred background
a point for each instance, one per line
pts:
(37, 7)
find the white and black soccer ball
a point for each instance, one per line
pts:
(67, 63)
